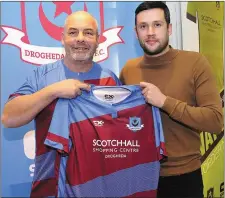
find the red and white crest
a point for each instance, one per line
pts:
(41, 54)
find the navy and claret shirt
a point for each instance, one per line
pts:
(111, 143)
(47, 160)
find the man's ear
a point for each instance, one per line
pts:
(97, 39)
(135, 29)
(62, 38)
(170, 29)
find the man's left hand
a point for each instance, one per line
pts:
(152, 94)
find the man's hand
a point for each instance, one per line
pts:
(69, 88)
(152, 94)
(22, 109)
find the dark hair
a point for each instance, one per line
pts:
(147, 5)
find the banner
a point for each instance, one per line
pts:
(203, 31)
(31, 36)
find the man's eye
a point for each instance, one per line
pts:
(71, 33)
(143, 26)
(89, 33)
(158, 25)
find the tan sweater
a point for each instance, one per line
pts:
(193, 103)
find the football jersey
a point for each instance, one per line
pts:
(210, 17)
(111, 142)
(47, 160)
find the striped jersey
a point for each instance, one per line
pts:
(111, 143)
(47, 160)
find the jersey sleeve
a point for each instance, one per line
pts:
(58, 133)
(29, 87)
(192, 11)
(159, 135)
(117, 80)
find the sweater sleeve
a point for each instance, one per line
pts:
(207, 115)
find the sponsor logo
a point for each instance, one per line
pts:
(210, 193)
(217, 5)
(115, 143)
(213, 157)
(29, 148)
(98, 123)
(222, 97)
(109, 97)
(38, 55)
(210, 20)
(135, 124)
(115, 148)
(29, 144)
(222, 189)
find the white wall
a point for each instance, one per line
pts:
(189, 29)
(176, 37)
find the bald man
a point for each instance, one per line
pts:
(80, 39)
(65, 78)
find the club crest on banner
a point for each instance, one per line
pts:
(39, 54)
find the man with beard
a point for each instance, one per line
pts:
(37, 97)
(182, 85)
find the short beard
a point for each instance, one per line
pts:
(77, 57)
(85, 57)
(157, 51)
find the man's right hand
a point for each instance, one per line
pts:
(69, 88)
(24, 108)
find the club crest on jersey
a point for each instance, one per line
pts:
(46, 21)
(135, 124)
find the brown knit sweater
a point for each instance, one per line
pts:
(192, 105)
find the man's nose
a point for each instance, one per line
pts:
(151, 30)
(80, 37)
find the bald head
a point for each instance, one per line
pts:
(80, 17)
(80, 37)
